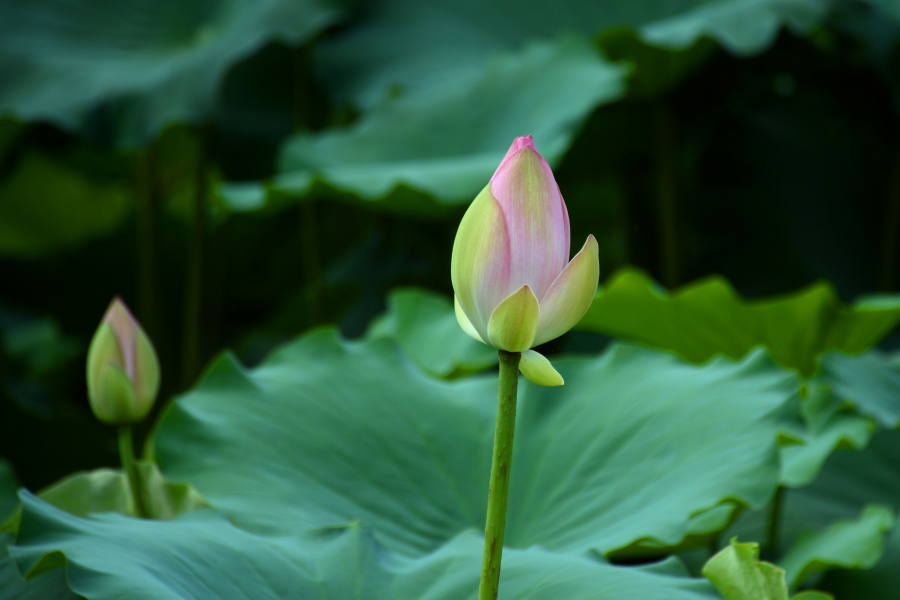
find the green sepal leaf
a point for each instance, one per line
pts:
(538, 369)
(514, 322)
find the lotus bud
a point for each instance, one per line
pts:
(122, 368)
(515, 287)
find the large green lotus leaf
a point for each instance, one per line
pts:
(655, 71)
(708, 317)
(47, 205)
(107, 491)
(411, 45)
(202, 555)
(49, 586)
(870, 382)
(424, 325)
(629, 456)
(8, 487)
(878, 583)
(856, 544)
(155, 62)
(442, 146)
(826, 424)
(849, 482)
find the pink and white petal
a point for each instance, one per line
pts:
(536, 219)
(514, 321)
(464, 321)
(571, 294)
(538, 369)
(518, 144)
(479, 268)
(125, 326)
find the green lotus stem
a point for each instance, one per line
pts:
(126, 454)
(311, 266)
(667, 200)
(775, 521)
(194, 276)
(147, 244)
(500, 471)
(891, 230)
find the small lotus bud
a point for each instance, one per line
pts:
(122, 368)
(515, 285)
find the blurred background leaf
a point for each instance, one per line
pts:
(244, 172)
(149, 64)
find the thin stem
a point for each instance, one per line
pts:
(891, 227)
(667, 200)
(147, 245)
(775, 521)
(126, 453)
(500, 471)
(193, 282)
(309, 233)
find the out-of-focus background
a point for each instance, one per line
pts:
(241, 171)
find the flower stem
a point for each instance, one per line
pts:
(194, 274)
(126, 453)
(772, 539)
(500, 470)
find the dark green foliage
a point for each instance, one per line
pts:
(284, 179)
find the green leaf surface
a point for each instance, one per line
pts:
(107, 490)
(656, 71)
(154, 63)
(49, 586)
(707, 317)
(424, 325)
(870, 382)
(828, 425)
(201, 555)
(846, 544)
(37, 343)
(409, 45)
(618, 459)
(47, 204)
(418, 153)
(849, 482)
(878, 583)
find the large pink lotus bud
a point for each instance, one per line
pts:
(515, 286)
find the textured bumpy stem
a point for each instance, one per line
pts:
(126, 453)
(500, 470)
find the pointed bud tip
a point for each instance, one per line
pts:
(522, 142)
(118, 311)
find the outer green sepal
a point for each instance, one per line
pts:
(514, 322)
(538, 369)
